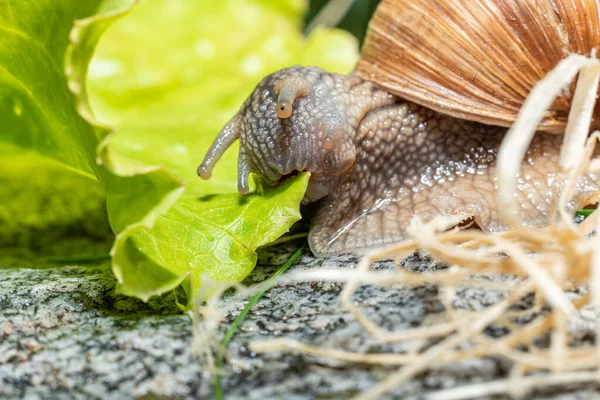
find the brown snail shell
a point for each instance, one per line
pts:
(477, 59)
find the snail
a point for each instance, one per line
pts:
(415, 129)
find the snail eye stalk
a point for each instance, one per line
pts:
(289, 90)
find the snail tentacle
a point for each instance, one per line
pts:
(243, 173)
(229, 134)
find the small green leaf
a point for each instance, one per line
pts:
(216, 235)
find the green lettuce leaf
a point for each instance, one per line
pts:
(36, 109)
(217, 235)
(163, 82)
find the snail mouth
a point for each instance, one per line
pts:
(288, 176)
(295, 167)
(291, 175)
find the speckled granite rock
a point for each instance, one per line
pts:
(65, 334)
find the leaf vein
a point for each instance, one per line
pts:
(40, 45)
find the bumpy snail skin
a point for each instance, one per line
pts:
(377, 161)
(412, 161)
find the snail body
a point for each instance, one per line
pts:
(388, 143)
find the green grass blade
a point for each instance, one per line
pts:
(585, 212)
(240, 318)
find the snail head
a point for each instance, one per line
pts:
(293, 121)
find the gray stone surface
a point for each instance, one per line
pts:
(65, 334)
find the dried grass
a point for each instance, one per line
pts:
(549, 262)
